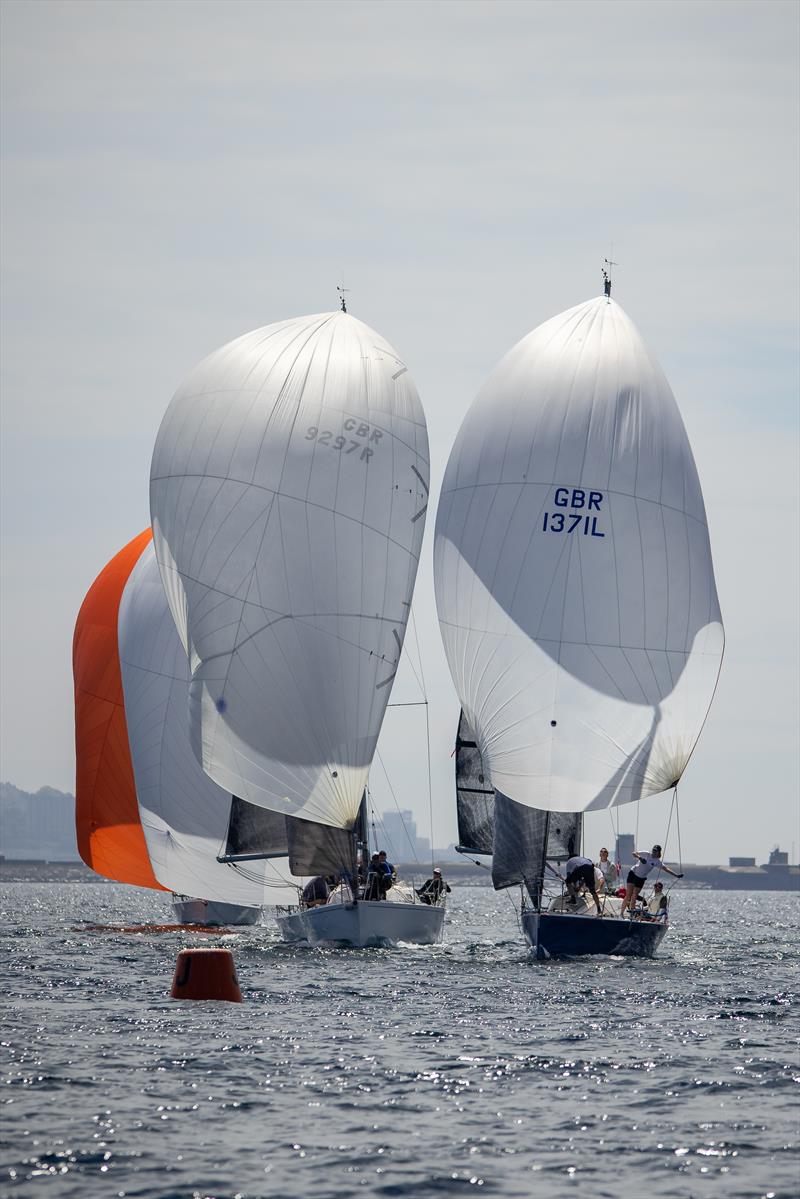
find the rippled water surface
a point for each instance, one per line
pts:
(407, 1072)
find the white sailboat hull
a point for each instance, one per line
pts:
(212, 914)
(365, 924)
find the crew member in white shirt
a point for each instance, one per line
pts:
(608, 870)
(638, 873)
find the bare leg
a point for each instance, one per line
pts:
(630, 892)
(596, 901)
(635, 898)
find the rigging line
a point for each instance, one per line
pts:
(427, 738)
(399, 813)
(419, 654)
(678, 829)
(666, 837)
(517, 911)
(615, 835)
(430, 784)
(636, 834)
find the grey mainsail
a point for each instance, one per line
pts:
(322, 849)
(521, 839)
(255, 833)
(474, 795)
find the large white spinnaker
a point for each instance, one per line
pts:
(183, 813)
(288, 490)
(573, 571)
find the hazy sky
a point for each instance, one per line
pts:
(176, 174)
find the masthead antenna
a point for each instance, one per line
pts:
(342, 290)
(609, 262)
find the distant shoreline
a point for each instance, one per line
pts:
(464, 874)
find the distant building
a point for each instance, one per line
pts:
(400, 840)
(625, 848)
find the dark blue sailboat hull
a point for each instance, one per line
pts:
(561, 934)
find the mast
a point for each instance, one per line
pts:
(607, 276)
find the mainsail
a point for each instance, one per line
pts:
(184, 814)
(573, 570)
(474, 795)
(520, 839)
(110, 837)
(255, 832)
(288, 490)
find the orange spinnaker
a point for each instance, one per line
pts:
(110, 836)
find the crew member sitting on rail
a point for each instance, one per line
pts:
(579, 874)
(658, 904)
(431, 891)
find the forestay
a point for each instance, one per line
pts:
(184, 814)
(573, 570)
(288, 493)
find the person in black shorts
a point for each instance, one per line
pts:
(645, 862)
(580, 873)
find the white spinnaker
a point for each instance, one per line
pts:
(288, 491)
(183, 813)
(573, 571)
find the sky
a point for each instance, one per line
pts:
(175, 174)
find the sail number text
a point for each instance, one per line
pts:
(580, 518)
(348, 445)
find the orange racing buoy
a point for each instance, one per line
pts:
(206, 974)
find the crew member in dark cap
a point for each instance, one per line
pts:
(378, 881)
(638, 873)
(432, 889)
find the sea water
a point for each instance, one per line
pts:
(413, 1071)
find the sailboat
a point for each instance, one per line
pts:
(576, 596)
(289, 487)
(176, 815)
(527, 846)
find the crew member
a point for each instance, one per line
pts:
(638, 873)
(658, 904)
(608, 870)
(316, 892)
(431, 890)
(580, 873)
(386, 866)
(378, 881)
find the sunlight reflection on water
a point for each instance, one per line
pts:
(410, 1072)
